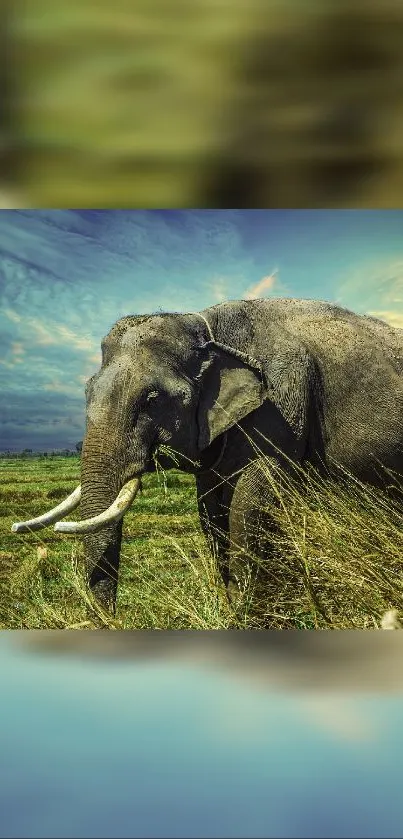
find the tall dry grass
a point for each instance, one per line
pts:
(336, 553)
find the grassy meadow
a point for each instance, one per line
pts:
(167, 578)
(337, 560)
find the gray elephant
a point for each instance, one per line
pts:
(301, 377)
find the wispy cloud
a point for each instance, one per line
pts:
(47, 334)
(55, 386)
(9, 365)
(42, 334)
(262, 287)
(391, 317)
(15, 355)
(79, 342)
(219, 289)
(17, 348)
(34, 333)
(13, 316)
(376, 288)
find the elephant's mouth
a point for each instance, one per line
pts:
(111, 515)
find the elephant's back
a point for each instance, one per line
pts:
(327, 328)
(301, 310)
(295, 311)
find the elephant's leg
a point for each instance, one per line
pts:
(103, 571)
(251, 529)
(213, 506)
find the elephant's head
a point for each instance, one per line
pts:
(163, 380)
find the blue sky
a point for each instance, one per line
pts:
(67, 275)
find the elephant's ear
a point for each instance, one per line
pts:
(234, 385)
(293, 382)
(231, 386)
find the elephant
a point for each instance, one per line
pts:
(298, 382)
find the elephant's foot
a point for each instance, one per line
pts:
(105, 592)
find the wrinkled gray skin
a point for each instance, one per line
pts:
(318, 381)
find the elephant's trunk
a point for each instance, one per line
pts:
(106, 495)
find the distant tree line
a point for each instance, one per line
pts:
(27, 453)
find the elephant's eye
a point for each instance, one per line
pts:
(152, 395)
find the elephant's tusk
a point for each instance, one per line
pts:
(113, 514)
(70, 503)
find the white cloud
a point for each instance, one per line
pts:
(50, 334)
(218, 289)
(17, 348)
(41, 332)
(11, 315)
(56, 386)
(8, 364)
(375, 288)
(265, 284)
(391, 317)
(73, 339)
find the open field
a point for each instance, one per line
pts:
(167, 578)
(338, 559)
(337, 562)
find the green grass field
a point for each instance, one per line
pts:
(337, 562)
(167, 579)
